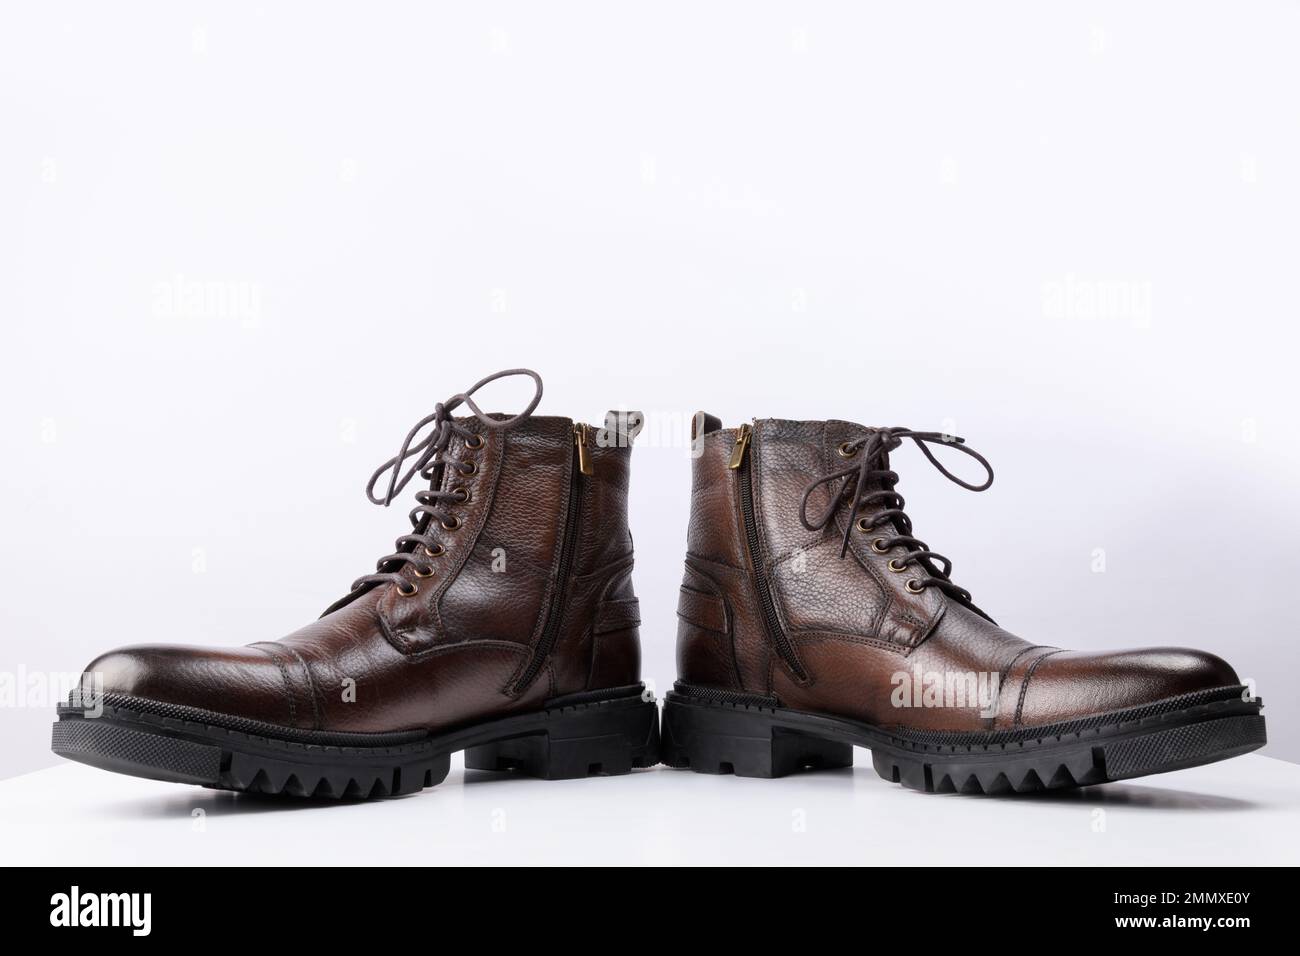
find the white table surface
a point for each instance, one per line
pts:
(1242, 811)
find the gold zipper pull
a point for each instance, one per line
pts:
(580, 442)
(742, 442)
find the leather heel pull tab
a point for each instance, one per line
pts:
(620, 429)
(702, 424)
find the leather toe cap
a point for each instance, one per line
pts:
(249, 682)
(1070, 684)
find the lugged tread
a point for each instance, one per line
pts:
(610, 736)
(181, 760)
(1175, 746)
(759, 741)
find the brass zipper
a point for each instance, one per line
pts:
(580, 433)
(738, 450)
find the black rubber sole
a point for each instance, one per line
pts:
(581, 736)
(708, 733)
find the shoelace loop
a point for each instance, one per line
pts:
(872, 483)
(430, 461)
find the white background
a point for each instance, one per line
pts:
(1243, 811)
(891, 213)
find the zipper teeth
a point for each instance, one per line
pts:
(774, 629)
(556, 613)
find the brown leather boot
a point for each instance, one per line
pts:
(811, 619)
(504, 625)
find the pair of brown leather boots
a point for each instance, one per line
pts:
(504, 625)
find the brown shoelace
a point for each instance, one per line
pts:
(431, 463)
(872, 485)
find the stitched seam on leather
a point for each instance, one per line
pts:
(595, 653)
(892, 606)
(613, 626)
(728, 615)
(618, 602)
(708, 628)
(615, 575)
(905, 613)
(1006, 673)
(284, 675)
(886, 593)
(611, 569)
(808, 637)
(767, 566)
(437, 649)
(624, 604)
(1024, 686)
(553, 579)
(931, 625)
(715, 599)
(311, 687)
(761, 561)
(596, 639)
(435, 608)
(430, 603)
(722, 564)
(398, 640)
(480, 525)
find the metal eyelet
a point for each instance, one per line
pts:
(894, 566)
(451, 524)
(878, 546)
(463, 492)
(864, 525)
(425, 572)
(474, 441)
(433, 552)
(846, 449)
(469, 469)
(913, 587)
(415, 589)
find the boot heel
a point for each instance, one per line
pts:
(609, 737)
(744, 741)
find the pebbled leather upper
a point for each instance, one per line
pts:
(454, 652)
(851, 623)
